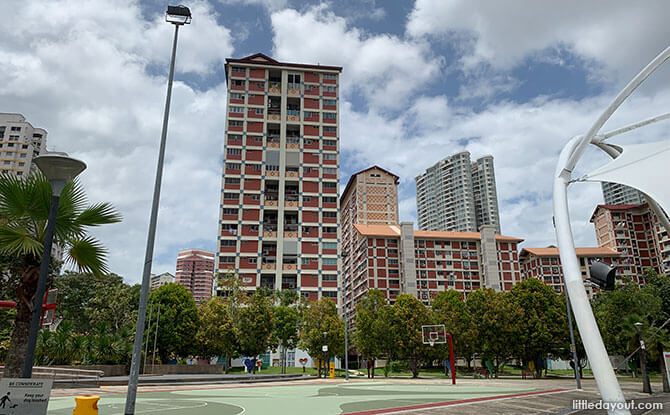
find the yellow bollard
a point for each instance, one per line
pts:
(86, 405)
(332, 370)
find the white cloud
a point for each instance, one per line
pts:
(83, 71)
(621, 35)
(385, 69)
(270, 5)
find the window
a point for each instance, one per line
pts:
(327, 199)
(252, 260)
(293, 78)
(237, 69)
(329, 156)
(329, 294)
(259, 111)
(328, 277)
(228, 242)
(329, 76)
(234, 137)
(15, 129)
(231, 196)
(393, 262)
(233, 166)
(10, 145)
(329, 102)
(329, 214)
(260, 85)
(234, 151)
(229, 211)
(232, 180)
(329, 170)
(236, 95)
(329, 185)
(22, 155)
(329, 142)
(227, 259)
(327, 129)
(329, 245)
(237, 82)
(308, 114)
(329, 115)
(238, 110)
(330, 89)
(305, 261)
(234, 123)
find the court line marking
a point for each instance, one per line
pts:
(470, 401)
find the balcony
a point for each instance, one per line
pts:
(293, 88)
(293, 142)
(273, 140)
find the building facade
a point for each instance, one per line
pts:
(195, 271)
(279, 210)
(545, 264)
(397, 259)
(620, 194)
(635, 232)
(456, 194)
(159, 280)
(20, 142)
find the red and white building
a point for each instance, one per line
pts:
(279, 218)
(195, 271)
(381, 253)
(545, 264)
(635, 232)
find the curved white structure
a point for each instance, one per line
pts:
(616, 171)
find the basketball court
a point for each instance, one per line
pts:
(316, 397)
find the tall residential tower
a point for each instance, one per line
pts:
(279, 211)
(195, 271)
(20, 142)
(620, 194)
(456, 194)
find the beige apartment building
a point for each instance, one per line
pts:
(20, 142)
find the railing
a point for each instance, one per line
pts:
(58, 373)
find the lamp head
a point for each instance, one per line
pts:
(178, 15)
(603, 275)
(638, 325)
(59, 169)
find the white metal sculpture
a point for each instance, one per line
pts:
(639, 166)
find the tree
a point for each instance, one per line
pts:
(370, 331)
(24, 210)
(177, 321)
(254, 326)
(543, 330)
(449, 309)
(409, 315)
(216, 332)
(286, 319)
(318, 318)
(496, 320)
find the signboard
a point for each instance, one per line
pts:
(24, 396)
(666, 359)
(324, 348)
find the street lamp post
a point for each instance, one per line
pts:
(646, 385)
(178, 16)
(59, 169)
(346, 342)
(325, 352)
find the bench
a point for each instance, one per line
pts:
(482, 372)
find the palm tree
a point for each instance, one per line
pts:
(24, 210)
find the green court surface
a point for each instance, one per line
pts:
(329, 398)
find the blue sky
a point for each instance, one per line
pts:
(421, 80)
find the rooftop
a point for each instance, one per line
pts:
(392, 230)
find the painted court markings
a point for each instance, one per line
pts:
(359, 398)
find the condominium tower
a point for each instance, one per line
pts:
(195, 271)
(620, 194)
(279, 212)
(20, 142)
(456, 194)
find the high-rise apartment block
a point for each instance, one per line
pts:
(20, 142)
(635, 232)
(279, 207)
(380, 252)
(620, 194)
(456, 194)
(159, 280)
(195, 271)
(545, 264)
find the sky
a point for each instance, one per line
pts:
(421, 80)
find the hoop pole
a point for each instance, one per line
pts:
(451, 359)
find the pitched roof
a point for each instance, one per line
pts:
(351, 179)
(616, 207)
(393, 230)
(586, 251)
(259, 58)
